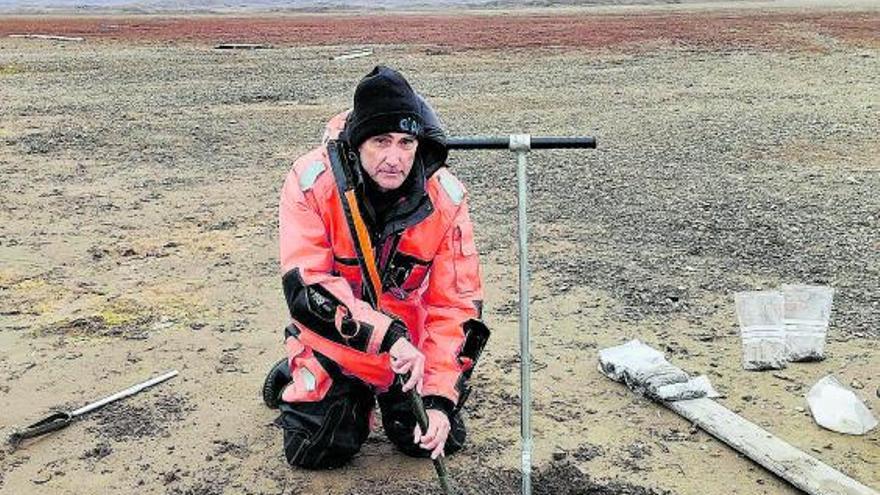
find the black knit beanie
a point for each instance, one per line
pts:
(383, 102)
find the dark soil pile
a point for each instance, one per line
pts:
(558, 478)
(120, 421)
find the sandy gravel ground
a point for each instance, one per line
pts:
(138, 234)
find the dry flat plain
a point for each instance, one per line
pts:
(738, 149)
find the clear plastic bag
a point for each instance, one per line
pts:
(807, 311)
(760, 315)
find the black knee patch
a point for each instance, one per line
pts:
(330, 446)
(457, 435)
(328, 433)
(399, 422)
(399, 430)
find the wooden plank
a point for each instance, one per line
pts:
(46, 37)
(242, 46)
(801, 470)
(349, 56)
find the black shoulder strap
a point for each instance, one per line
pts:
(340, 157)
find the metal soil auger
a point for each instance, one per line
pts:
(521, 144)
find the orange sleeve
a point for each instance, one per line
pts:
(453, 296)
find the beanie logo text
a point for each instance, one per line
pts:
(410, 126)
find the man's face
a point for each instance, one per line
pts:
(388, 158)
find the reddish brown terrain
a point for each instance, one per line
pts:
(753, 30)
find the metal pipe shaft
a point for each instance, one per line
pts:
(521, 144)
(125, 393)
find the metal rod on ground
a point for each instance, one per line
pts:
(422, 419)
(521, 144)
(418, 408)
(125, 393)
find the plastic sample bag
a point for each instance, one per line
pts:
(806, 315)
(760, 315)
(646, 371)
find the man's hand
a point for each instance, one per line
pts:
(435, 438)
(405, 358)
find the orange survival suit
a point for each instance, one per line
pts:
(431, 291)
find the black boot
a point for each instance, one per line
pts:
(276, 380)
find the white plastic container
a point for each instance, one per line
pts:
(806, 316)
(760, 315)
